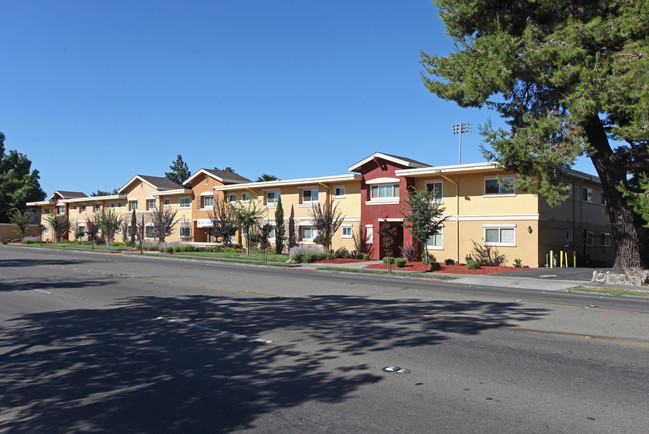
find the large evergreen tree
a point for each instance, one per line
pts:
(570, 78)
(18, 183)
(179, 171)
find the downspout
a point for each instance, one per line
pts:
(328, 193)
(457, 213)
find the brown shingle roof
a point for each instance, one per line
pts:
(227, 175)
(160, 182)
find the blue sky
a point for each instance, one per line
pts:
(96, 92)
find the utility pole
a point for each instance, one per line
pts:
(459, 128)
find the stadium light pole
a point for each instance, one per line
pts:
(459, 128)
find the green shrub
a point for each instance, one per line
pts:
(400, 262)
(365, 257)
(177, 249)
(434, 266)
(115, 244)
(342, 253)
(518, 262)
(472, 264)
(467, 258)
(331, 255)
(298, 257)
(449, 262)
(386, 259)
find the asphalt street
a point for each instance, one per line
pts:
(112, 343)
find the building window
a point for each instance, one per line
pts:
(587, 194)
(74, 207)
(149, 232)
(272, 197)
(167, 202)
(112, 204)
(493, 187)
(369, 234)
(97, 207)
(437, 188)
(436, 240)
(83, 209)
(390, 191)
(568, 234)
(208, 201)
(46, 210)
(245, 197)
(185, 231)
(132, 205)
(47, 229)
(150, 204)
(119, 204)
(346, 232)
(185, 202)
(309, 196)
(60, 210)
(499, 236)
(232, 197)
(308, 233)
(604, 202)
(339, 192)
(588, 238)
(271, 233)
(605, 239)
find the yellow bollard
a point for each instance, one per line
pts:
(574, 259)
(561, 259)
(551, 259)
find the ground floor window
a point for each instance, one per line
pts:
(369, 234)
(436, 240)
(185, 231)
(346, 232)
(605, 239)
(499, 236)
(308, 233)
(150, 232)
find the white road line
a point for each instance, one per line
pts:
(221, 332)
(28, 288)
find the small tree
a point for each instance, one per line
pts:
(223, 222)
(109, 221)
(92, 229)
(327, 219)
(21, 220)
(246, 215)
(423, 216)
(133, 228)
(41, 230)
(124, 228)
(292, 242)
(163, 222)
(279, 227)
(263, 235)
(60, 225)
(388, 234)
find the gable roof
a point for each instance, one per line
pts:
(223, 176)
(403, 161)
(67, 194)
(160, 183)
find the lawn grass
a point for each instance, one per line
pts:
(219, 257)
(611, 291)
(234, 255)
(394, 273)
(77, 247)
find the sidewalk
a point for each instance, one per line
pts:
(546, 280)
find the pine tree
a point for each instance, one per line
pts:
(570, 78)
(179, 171)
(279, 227)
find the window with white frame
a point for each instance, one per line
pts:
(245, 197)
(185, 231)
(339, 192)
(369, 234)
(383, 192)
(97, 207)
(150, 204)
(272, 233)
(603, 200)
(60, 210)
(232, 197)
(588, 238)
(167, 201)
(605, 239)
(435, 241)
(437, 187)
(346, 231)
(568, 234)
(185, 202)
(499, 235)
(208, 201)
(82, 209)
(272, 197)
(112, 204)
(46, 230)
(149, 232)
(492, 187)
(587, 194)
(119, 204)
(308, 233)
(74, 207)
(132, 204)
(310, 195)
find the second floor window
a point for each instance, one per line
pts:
(208, 201)
(272, 197)
(390, 191)
(309, 196)
(150, 204)
(132, 204)
(185, 202)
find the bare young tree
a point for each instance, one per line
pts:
(223, 221)
(327, 219)
(162, 223)
(246, 215)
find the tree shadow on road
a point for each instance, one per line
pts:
(123, 369)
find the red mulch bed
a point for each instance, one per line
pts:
(340, 261)
(451, 269)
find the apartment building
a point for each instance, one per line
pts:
(480, 210)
